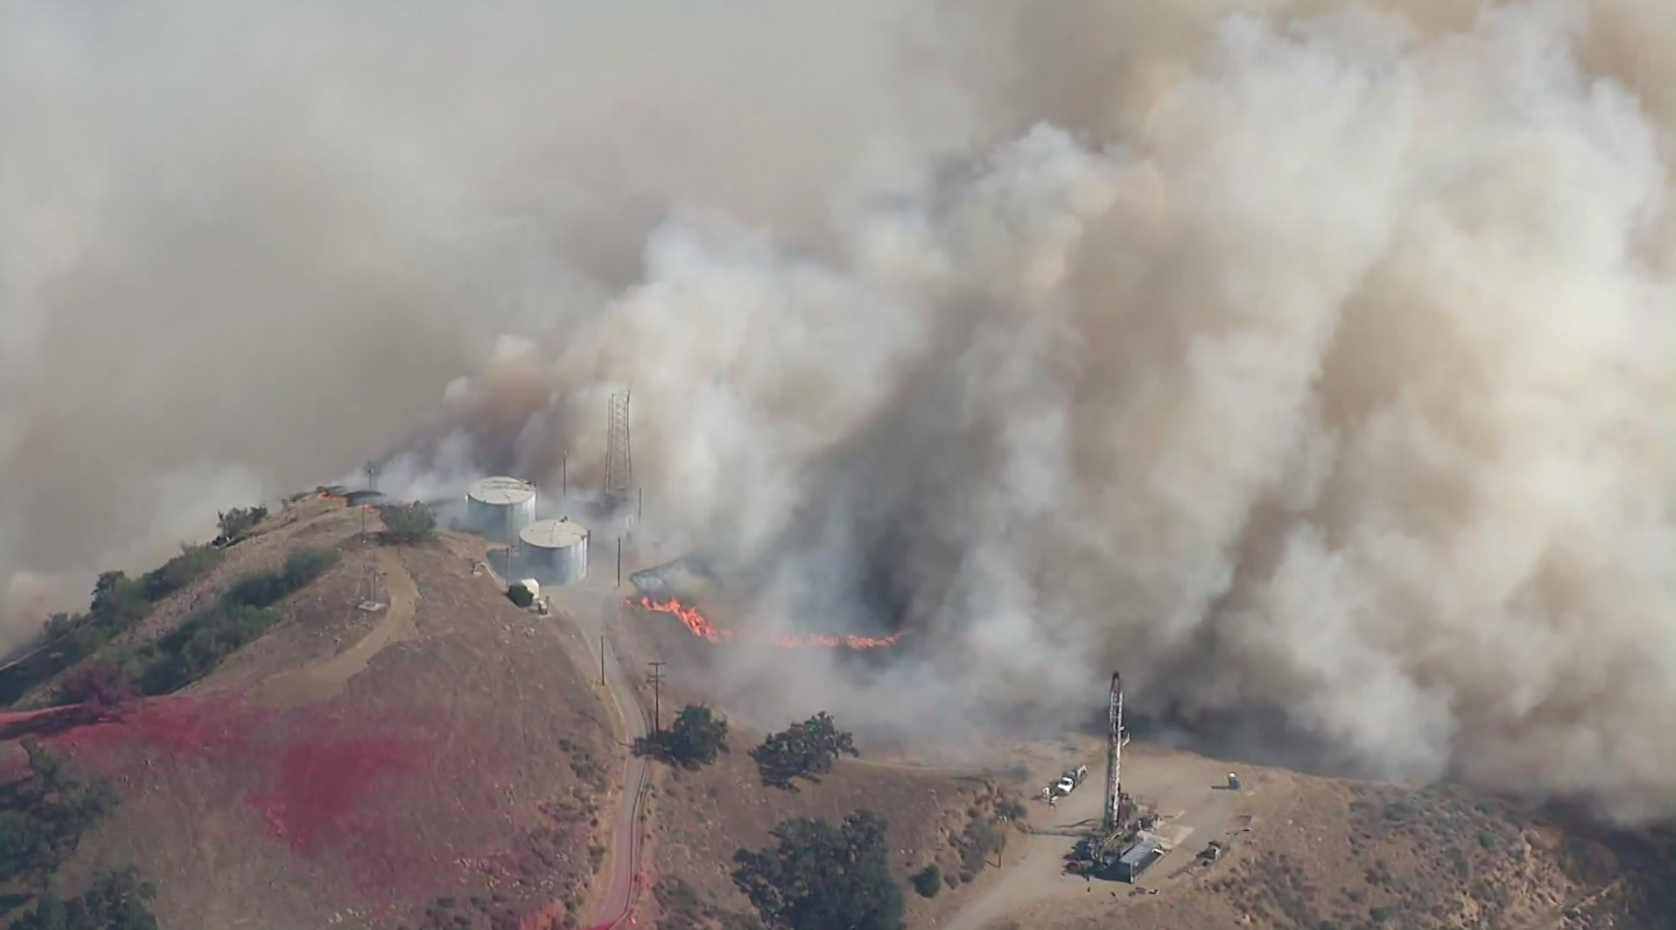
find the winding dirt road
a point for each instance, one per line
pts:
(326, 679)
(624, 863)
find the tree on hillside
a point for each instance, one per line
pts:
(44, 815)
(237, 523)
(693, 740)
(822, 877)
(407, 523)
(102, 688)
(116, 901)
(805, 749)
(928, 881)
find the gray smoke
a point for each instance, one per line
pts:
(1295, 358)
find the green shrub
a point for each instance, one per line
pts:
(116, 901)
(193, 649)
(408, 523)
(192, 563)
(981, 838)
(237, 523)
(928, 881)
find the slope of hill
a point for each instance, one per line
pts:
(444, 759)
(698, 819)
(436, 761)
(1299, 853)
(1305, 853)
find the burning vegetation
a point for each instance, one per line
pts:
(695, 621)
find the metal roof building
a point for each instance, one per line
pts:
(1138, 858)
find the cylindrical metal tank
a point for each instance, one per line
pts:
(555, 552)
(499, 507)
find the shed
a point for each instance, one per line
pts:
(1138, 858)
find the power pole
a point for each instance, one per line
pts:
(371, 469)
(602, 660)
(619, 561)
(656, 678)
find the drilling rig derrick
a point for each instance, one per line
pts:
(1113, 814)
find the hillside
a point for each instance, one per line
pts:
(1306, 853)
(701, 818)
(438, 760)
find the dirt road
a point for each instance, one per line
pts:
(590, 606)
(1037, 873)
(327, 679)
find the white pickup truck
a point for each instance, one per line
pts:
(1067, 783)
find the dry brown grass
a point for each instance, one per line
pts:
(1346, 856)
(700, 818)
(462, 780)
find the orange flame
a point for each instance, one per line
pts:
(701, 626)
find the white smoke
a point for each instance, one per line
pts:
(1310, 361)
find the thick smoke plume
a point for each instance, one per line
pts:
(1299, 359)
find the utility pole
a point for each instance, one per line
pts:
(656, 678)
(602, 660)
(508, 576)
(372, 469)
(619, 561)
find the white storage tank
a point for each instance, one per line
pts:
(499, 507)
(555, 552)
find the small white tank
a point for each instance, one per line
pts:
(555, 552)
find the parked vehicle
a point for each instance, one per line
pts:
(1067, 783)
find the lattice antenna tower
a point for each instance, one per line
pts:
(372, 470)
(1112, 814)
(619, 464)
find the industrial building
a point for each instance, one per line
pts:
(1137, 859)
(555, 552)
(499, 507)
